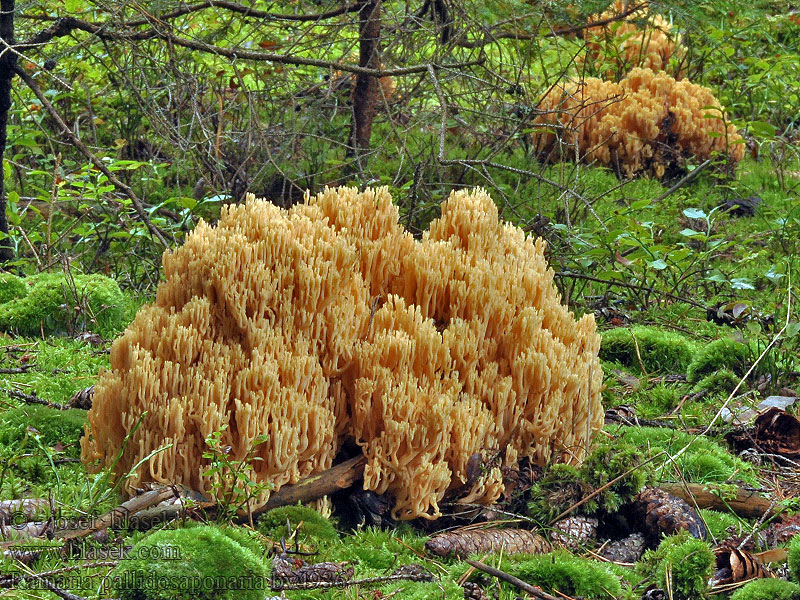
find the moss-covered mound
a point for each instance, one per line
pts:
(720, 354)
(768, 589)
(659, 350)
(11, 287)
(196, 563)
(704, 461)
(50, 425)
(310, 526)
(54, 304)
(565, 573)
(681, 563)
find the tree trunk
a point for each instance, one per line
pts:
(365, 91)
(8, 61)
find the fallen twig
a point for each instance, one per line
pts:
(508, 578)
(32, 399)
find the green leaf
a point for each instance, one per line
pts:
(691, 232)
(640, 204)
(658, 264)
(695, 213)
(740, 283)
(762, 129)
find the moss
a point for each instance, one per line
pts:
(660, 351)
(720, 354)
(53, 427)
(794, 558)
(564, 485)
(722, 381)
(202, 563)
(718, 523)
(566, 573)
(687, 562)
(380, 550)
(52, 305)
(768, 589)
(652, 402)
(11, 287)
(315, 528)
(705, 461)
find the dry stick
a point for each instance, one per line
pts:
(339, 477)
(526, 35)
(683, 181)
(32, 399)
(240, 53)
(121, 513)
(508, 578)
(75, 141)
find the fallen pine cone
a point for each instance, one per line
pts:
(735, 565)
(472, 591)
(464, 542)
(626, 550)
(658, 513)
(573, 532)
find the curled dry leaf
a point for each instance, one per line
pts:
(474, 541)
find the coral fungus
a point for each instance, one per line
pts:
(646, 123)
(328, 322)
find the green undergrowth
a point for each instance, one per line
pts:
(768, 589)
(697, 459)
(682, 564)
(55, 368)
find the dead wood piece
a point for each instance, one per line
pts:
(747, 503)
(463, 542)
(338, 477)
(118, 517)
(508, 578)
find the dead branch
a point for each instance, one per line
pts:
(339, 477)
(747, 503)
(32, 399)
(537, 592)
(493, 36)
(120, 514)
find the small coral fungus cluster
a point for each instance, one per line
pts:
(329, 323)
(645, 124)
(640, 39)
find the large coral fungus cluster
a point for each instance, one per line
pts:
(645, 124)
(327, 323)
(640, 39)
